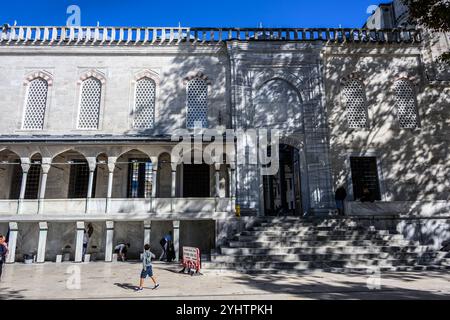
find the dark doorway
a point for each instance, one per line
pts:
(196, 181)
(365, 175)
(282, 191)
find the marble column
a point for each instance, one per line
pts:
(109, 241)
(232, 179)
(46, 164)
(174, 182)
(174, 186)
(217, 179)
(176, 239)
(79, 241)
(25, 163)
(147, 232)
(43, 229)
(13, 231)
(92, 162)
(111, 167)
(154, 183)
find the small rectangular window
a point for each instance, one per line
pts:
(365, 176)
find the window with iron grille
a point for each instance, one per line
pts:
(16, 181)
(144, 104)
(197, 103)
(79, 180)
(33, 179)
(406, 105)
(365, 175)
(140, 179)
(36, 103)
(90, 99)
(355, 104)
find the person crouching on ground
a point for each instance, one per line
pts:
(147, 270)
(121, 250)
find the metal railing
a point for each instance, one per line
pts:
(14, 35)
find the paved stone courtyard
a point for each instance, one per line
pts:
(101, 280)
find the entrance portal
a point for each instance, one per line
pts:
(282, 192)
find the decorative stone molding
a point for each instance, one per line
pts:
(197, 75)
(146, 73)
(92, 74)
(47, 76)
(353, 76)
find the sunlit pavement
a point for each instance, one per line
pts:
(99, 280)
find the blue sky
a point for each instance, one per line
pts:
(203, 13)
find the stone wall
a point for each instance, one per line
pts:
(170, 65)
(412, 162)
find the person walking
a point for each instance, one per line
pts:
(3, 253)
(87, 236)
(147, 269)
(165, 242)
(340, 197)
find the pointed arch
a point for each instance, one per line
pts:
(36, 99)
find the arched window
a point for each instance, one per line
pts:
(355, 104)
(144, 104)
(35, 105)
(90, 99)
(406, 105)
(197, 103)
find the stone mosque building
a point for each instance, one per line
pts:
(88, 115)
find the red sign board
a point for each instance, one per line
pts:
(191, 258)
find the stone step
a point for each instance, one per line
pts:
(323, 257)
(295, 250)
(302, 265)
(352, 249)
(294, 235)
(300, 242)
(363, 270)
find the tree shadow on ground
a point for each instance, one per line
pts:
(339, 289)
(126, 286)
(11, 294)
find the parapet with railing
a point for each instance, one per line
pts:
(29, 35)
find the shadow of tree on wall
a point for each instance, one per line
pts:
(414, 162)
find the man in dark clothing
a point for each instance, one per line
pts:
(340, 197)
(3, 253)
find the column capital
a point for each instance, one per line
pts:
(147, 224)
(81, 225)
(26, 164)
(112, 163)
(176, 224)
(109, 225)
(174, 166)
(13, 226)
(92, 162)
(46, 164)
(217, 166)
(43, 225)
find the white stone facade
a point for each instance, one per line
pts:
(114, 97)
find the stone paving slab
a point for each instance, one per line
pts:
(99, 280)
